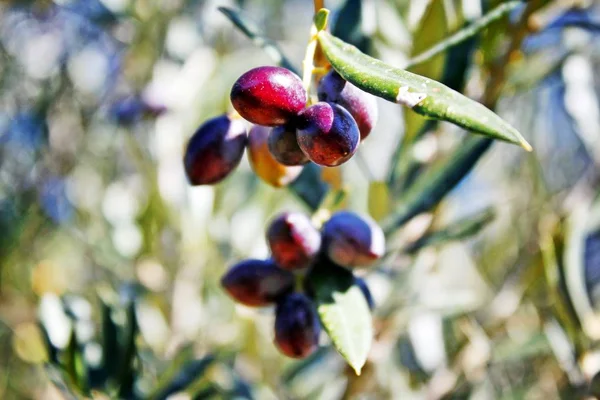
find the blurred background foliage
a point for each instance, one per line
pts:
(110, 263)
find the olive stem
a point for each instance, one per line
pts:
(307, 63)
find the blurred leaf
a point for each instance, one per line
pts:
(423, 95)
(531, 70)
(110, 345)
(462, 229)
(348, 25)
(50, 348)
(56, 376)
(309, 187)
(510, 350)
(254, 33)
(433, 185)
(379, 200)
(127, 373)
(302, 366)
(210, 391)
(343, 311)
(552, 246)
(186, 376)
(335, 200)
(74, 365)
(433, 28)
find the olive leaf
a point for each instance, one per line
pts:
(461, 229)
(423, 95)
(433, 184)
(432, 29)
(253, 32)
(343, 311)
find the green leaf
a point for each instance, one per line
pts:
(423, 95)
(321, 19)
(379, 200)
(74, 364)
(127, 370)
(462, 229)
(348, 25)
(254, 33)
(57, 377)
(433, 184)
(309, 186)
(343, 311)
(433, 28)
(110, 350)
(190, 372)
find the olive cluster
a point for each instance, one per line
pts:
(287, 133)
(296, 245)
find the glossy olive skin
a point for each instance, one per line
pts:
(257, 283)
(352, 240)
(264, 164)
(297, 326)
(361, 105)
(283, 144)
(215, 150)
(268, 95)
(327, 134)
(360, 282)
(293, 240)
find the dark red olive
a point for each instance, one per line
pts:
(294, 241)
(360, 104)
(327, 134)
(352, 240)
(215, 150)
(297, 326)
(283, 144)
(257, 283)
(268, 95)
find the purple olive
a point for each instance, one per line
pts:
(361, 105)
(283, 145)
(257, 283)
(293, 240)
(352, 240)
(215, 150)
(297, 326)
(327, 134)
(268, 95)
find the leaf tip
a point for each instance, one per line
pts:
(321, 18)
(524, 144)
(357, 369)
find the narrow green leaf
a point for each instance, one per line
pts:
(343, 311)
(309, 186)
(110, 349)
(254, 33)
(348, 25)
(74, 364)
(433, 28)
(379, 200)
(127, 371)
(437, 181)
(57, 377)
(190, 372)
(462, 229)
(467, 32)
(423, 95)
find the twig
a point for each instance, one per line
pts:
(465, 33)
